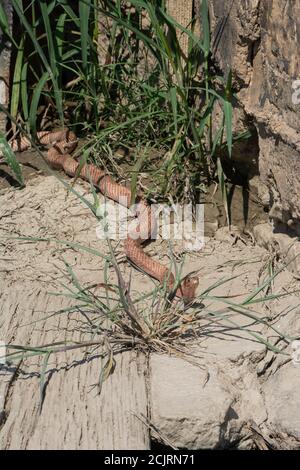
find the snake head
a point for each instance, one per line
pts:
(188, 287)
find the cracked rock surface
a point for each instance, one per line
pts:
(224, 390)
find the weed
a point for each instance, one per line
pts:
(144, 96)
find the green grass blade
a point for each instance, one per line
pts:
(24, 91)
(53, 55)
(173, 99)
(10, 159)
(195, 40)
(228, 112)
(16, 86)
(35, 101)
(75, 246)
(3, 20)
(60, 34)
(205, 27)
(5, 26)
(221, 178)
(84, 15)
(31, 33)
(70, 12)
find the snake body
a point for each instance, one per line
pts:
(61, 144)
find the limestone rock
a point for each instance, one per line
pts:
(260, 190)
(187, 407)
(287, 248)
(282, 400)
(258, 40)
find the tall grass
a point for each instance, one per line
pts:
(144, 94)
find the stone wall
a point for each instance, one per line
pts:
(259, 41)
(4, 64)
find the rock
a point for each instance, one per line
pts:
(188, 407)
(263, 234)
(224, 234)
(282, 400)
(260, 190)
(286, 247)
(195, 408)
(212, 406)
(258, 40)
(210, 228)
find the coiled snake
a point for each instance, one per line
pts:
(62, 143)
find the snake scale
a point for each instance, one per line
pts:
(61, 145)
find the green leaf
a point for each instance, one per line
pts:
(84, 15)
(70, 12)
(16, 86)
(228, 112)
(24, 91)
(53, 54)
(35, 101)
(223, 188)
(60, 33)
(75, 246)
(3, 20)
(173, 99)
(10, 159)
(31, 32)
(4, 25)
(217, 139)
(205, 27)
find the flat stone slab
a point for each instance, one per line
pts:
(187, 406)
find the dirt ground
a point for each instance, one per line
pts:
(34, 285)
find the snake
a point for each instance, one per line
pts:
(60, 145)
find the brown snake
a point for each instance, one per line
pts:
(62, 143)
